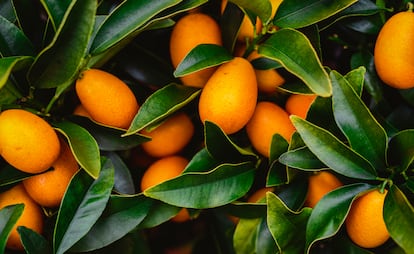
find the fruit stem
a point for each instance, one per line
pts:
(384, 184)
(410, 6)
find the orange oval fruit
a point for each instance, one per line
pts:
(106, 98)
(299, 104)
(319, 184)
(393, 54)
(365, 222)
(81, 111)
(32, 216)
(191, 30)
(230, 95)
(267, 120)
(170, 137)
(48, 188)
(27, 141)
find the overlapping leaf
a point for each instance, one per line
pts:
(261, 9)
(33, 242)
(56, 10)
(8, 218)
(13, 63)
(13, 41)
(401, 149)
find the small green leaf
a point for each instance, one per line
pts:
(8, 218)
(158, 213)
(58, 64)
(202, 161)
(123, 183)
(301, 13)
(160, 104)
(83, 203)
(224, 184)
(83, 145)
(13, 63)
(287, 227)
(298, 57)
(13, 42)
(261, 9)
(365, 135)
(201, 57)
(356, 78)
(301, 158)
(33, 242)
(294, 194)
(330, 212)
(277, 174)
(122, 215)
(265, 243)
(332, 152)
(245, 235)
(230, 22)
(401, 149)
(399, 218)
(56, 10)
(10, 175)
(125, 20)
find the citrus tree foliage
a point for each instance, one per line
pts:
(357, 127)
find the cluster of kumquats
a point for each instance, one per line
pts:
(233, 96)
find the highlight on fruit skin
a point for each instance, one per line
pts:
(27, 141)
(107, 99)
(393, 54)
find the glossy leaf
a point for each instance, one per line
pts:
(126, 19)
(67, 49)
(401, 149)
(265, 243)
(221, 147)
(123, 183)
(277, 174)
(261, 9)
(332, 152)
(245, 235)
(83, 203)
(158, 213)
(230, 22)
(263, 63)
(365, 135)
(9, 93)
(10, 175)
(356, 78)
(201, 57)
(298, 13)
(160, 104)
(330, 212)
(122, 215)
(56, 10)
(83, 145)
(298, 57)
(287, 227)
(301, 158)
(13, 63)
(218, 187)
(13, 41)
(294, 194)
(202, 161)
(8, 218)
(33, 242)
(399, 218)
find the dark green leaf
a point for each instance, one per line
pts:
(330, 212)
(58, 64)
(298, 57)
(301, 13)
(244, 209)
(160, 104)
(294, 193)
(122, 215)
(83, 145)
(332, 152)
(13, 42)
(301, 158)
(265, 242)
(9, 93)
(8, 218)
(261, 9)
(13, 63)
(355, 79)
(10, 175)
(202, 161)
(6, 10)
(230, 22)
(365, 135)
(201, 57)
(401, 149)
(287, 227)
(277, 174)
(224, 184)
(123, 182)
(33, 242)
(263, 63)
(82, 205)
(399, 218)
(125, 20)
(221, 148)
(56, 10)
(158, 213)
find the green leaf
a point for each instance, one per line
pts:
(123, 183)
(261, 9)
(287, 227)
(9, 93)
(332, 152)
(301, 13)
(365, 135)
(158, 213)
(33, 242)
(83, 203)
(202, 161)
(330, 212)
(201, 57)
(13, 63)
(83, 145)
(401, 149)
(265, 242)
(122, 215)
(221, 147)
(10, 175)
(13, 42)
(56, 10)
(399, 218)
(356, 78)
(160, 104)
(125, 20)
(294, 193)
(230, 22)
(224, 184)
(298, 57)
(277, 174)
(58, 64)
(301, 158)
(8, 218)
(245, 235)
